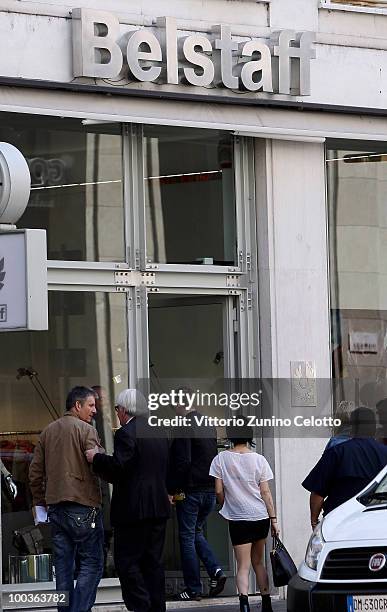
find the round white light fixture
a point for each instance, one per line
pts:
(15, 183)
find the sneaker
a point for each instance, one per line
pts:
(188, 596)
(217, 583)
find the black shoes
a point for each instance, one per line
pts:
(188, 596)
(266, 604)
(217, 583)
(244, 603)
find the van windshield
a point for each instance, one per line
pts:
(376, 494)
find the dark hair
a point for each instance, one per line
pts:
(78, 394)
(363, 423)
(240, 434)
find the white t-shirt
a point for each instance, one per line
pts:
(241, 474)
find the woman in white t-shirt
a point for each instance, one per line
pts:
(242, 489)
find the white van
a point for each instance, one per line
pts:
(345, 566)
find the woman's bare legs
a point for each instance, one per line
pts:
(257, 550)
(243, 559)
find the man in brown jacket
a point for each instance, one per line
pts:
(62, 480)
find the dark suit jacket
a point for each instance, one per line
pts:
(138, 471)
(192, 456)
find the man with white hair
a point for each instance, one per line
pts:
(140, 505)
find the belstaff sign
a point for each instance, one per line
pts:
(160, 54)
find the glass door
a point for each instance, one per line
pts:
(191, 344)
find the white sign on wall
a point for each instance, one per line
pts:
(23, 280)
(363, 342)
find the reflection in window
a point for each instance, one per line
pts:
(85, 345)
(357, 195)
(76, 192)
(189, 196)
(175, 323)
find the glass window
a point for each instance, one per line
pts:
(86, 344)
(76, 184)
(175, 323)
(189, 196)
(357, 197)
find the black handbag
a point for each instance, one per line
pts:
(282, 564)
(28, 540)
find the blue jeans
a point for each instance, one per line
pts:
(192, 513)
(75, 540)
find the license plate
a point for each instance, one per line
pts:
(366, 603)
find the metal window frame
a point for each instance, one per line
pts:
(247, 249)
(138, 335)
(138, 279)
(134, 197)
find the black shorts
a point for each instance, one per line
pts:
(246, 532)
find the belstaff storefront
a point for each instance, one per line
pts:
(179, 169)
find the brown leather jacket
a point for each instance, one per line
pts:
(59, 470)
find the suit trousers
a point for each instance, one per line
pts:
(138, 550)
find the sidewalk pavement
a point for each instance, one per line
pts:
(225, 604)
(220, 604)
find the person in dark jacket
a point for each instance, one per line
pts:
(140, 505)
(191, 460)
(345, 469)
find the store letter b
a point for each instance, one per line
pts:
(96, 52)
